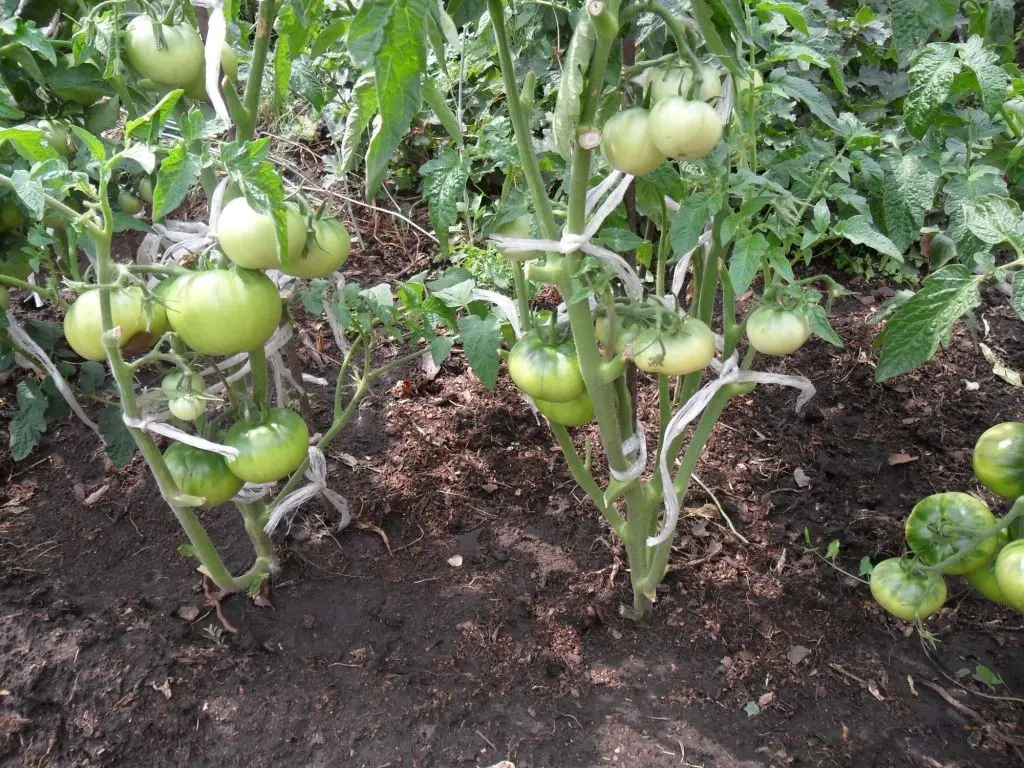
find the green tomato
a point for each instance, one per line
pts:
(249, 239)
(59, 137)
(185, 395)
(625, 333)
(676, 81)
(145, 189)
(905, 594)
(626, 142)
(83, 325)
(689, 349)
(999, 459)
(175, 64)
(270, 448)
(155, 324)
(228, 66)
(187, 407)
(11, 217)
(521, 227)
(128, 202)
(5, 298)
(984, 579)
(573, 413)
(1010, 573)
(545, 371)
(223, 312)
(326, 251)
(684, 129)
(776, 331)
(944, 524)
(202, 473)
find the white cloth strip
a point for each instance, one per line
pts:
(505, 306)
(159, 428)
(636, 444)
(316, 473)
(216, 33)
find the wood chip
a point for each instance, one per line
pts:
(901, 458)
(797, 653)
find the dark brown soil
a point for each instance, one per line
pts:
(379, 651)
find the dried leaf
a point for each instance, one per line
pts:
(765, 699)
(802, 478)
(96, 495)
(1000, 368)
(901, 458)
(797, 653)
(188, 613)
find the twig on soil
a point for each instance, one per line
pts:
(938, 668)
(214, 599)
(721, 510)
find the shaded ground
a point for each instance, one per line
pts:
(378, 651)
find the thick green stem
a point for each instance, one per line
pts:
(586, 480)
(255, 516)
(261, 45)
(522, 295)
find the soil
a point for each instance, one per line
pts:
(470, 614)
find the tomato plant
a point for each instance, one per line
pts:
(627, 145)
(944, 525)
(249, 239)
(999, 459)
(777, 331)
(221, 312)
(202, 473)
(269, 448)
(906, 593)
(546, 371)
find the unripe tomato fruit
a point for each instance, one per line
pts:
(249, 239)
(689, 349)
(269, 448)
(684, 129)
(11, 217)
(223, 312)
(175, 65)
(625, 333)
(59, 137)
(626, 142)
(676, 81)
(128, 202)
(327, 248)
(1010, 573)
(521, 227)
(776, 331)
(573, 413)
(145, 188)
(202, 473)
(905, 594)
(156, 323)
(83, 324)
(984, 579)
(545, 371)
(185, 395)
(944, 524)
(999, 459)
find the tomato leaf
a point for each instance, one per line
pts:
(481, 338)
(94, 145)
(986, 77)
(147, 128)
(1017, 294)
(364, 105)
(931, 84)
(745, 261)
(116, 438)
(920, 324)
(28, 424)
(178, 174)
(907, 196)
(865, 567)
(860, 230)
(805, 91)
(444, 183)
(29, 191)
(913, 22)
(818, 320)
(790, 11)
(994, 220)
(30, 143)
(691, 218)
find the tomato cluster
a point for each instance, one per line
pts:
(955, 533)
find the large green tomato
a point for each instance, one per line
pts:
(684, 129)
(689, 349)
(574, 413)
(326, 251)
(944, 524)
(223, 312)
(270, 448)
(175, 64)
(128, 202)
(676, 81)
(776, 331)
(522, 228)
(626, 142)
(545, 371)
(83, 324)
(59, 137)
(905, 594)
(984, 579)
(999, 459)
(202, 473)
(249, 239)
(185, 397)
(1010, 573)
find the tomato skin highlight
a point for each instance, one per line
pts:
(83, 324)
(998, 459)
(907, 595)
(177, 64)
(249, 238)
(544, 371)
(1010, 573)
(684, 129)
(572, 413)
(626, 143)
(930, 543)
(202, 473)
(674, 354)
(268, 449)
(327, 249)
(777, 332)
(223, 312)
